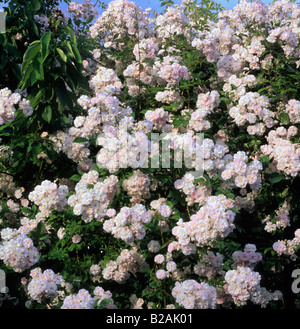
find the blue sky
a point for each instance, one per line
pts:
(155, 4)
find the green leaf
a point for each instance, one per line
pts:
(276, 177)
(70, 49)
(24, 83)
(26, 210)
(62, 54)
(265, 161)
(43, 237)
(72, 247)
(55, 75)
(31, 52)
(230, 195)
(80, 140)
(38, 71)
(36, 99)
(47, 113)
(284, 117)
(75, 178)
(60, 90)
(65, 120)
(104, 302)
(72, 34)
(45, 40)
(35, 28)
(40, 228)
(76, 53)
(90, 19)
(285, 192)
(35, 5)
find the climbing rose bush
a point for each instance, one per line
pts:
(105, 201)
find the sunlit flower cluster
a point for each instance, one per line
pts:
(17, 249)
(106, 81)
(206, 103)
(84, 300)
(193, 295)
(93, 195)
(210, 265)
(247, 258)
(43, 285)
(213, 221)
(242, 284)
(251, 108)
(169, 96)
(241, 173)
(78, 152)
(10, 102)
(194, 193)
(127, 225)
(122, 149)
(170, 71)
(281, 219)
(293, 110)
(129, 261)
(288, 246)
(49, 197)
(172, 22)
(207, 46)
(285, 155)
(137, 187)
(147, 48)
(82, 10)
(122, 18)
(159, 117)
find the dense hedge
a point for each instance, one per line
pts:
(95, 213)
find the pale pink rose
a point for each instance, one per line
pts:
(159, 259)
(76, 238)
(161, 274)
(111, 212)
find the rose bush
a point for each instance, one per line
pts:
(96, 212)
